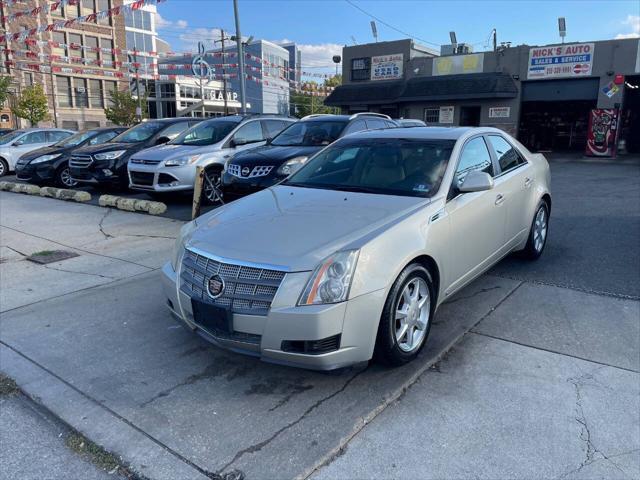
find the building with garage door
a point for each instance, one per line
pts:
(574, 96)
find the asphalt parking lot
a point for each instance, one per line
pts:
(531, 371)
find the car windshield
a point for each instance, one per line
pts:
(391, 166)
(313, 133)
(140, 133)
(206, 133)
(76, 139)
(10, 137)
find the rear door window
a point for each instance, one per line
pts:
(249, 133)
(508, 157)
(33, 137)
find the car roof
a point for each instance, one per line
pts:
(424, 133)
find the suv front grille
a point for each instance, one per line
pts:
(142, 178)
(82, 161)
(248, 290)
(249, 172)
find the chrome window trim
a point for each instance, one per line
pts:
(242, 263)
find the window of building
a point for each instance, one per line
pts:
(107, 44)
(63, 91)
(91, 124)
(101, 6)
(71, 11)
(91, 52)
(81, 93)
(508, 156)
(474, 156)
(70, 124)
(360, 69)
(57, 12)
(28, 79)
(58, 37)
(432, 115)
(96, 97)
(110, 87)
(75, 45)
(87, 7)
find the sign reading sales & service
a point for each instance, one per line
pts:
(575, 60)
(386, 67)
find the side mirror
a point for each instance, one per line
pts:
(17, 143)
(476, 181)
(162, 140)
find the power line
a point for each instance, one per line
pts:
(390, 26)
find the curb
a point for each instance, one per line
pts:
(132, 204)
(51, 192)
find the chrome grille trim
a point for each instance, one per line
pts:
(81, 161)
(248, 289)
(257, 171)
(141, 161)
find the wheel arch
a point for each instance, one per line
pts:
(547, 199)
(431, 265)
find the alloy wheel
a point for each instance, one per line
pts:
(65, 178)
(412, 315)
(212, 183)
(540, 229)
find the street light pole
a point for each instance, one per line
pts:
(240, 58)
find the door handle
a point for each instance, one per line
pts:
(527, 182)
(499, 199)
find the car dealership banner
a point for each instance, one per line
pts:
(387, 67)
(458, 64)
(575, 60)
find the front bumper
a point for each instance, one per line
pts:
(103, 172)
(236, 187)
(156, 178)
(354, 321)
(38, 173)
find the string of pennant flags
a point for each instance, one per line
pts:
(67, 23)
(34, 12)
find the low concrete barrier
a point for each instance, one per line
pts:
(132, 204)
(20, 188)
(65, 194)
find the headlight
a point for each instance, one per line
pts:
(183, 237)
(291, 166)
(46, 158)
(177, 162)
(331, 280)
(109, 155)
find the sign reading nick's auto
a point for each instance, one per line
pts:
(575, 60)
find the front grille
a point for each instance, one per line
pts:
(82, 161)
(248, 290)
(142, 178)
(249, 172)
(141, 161)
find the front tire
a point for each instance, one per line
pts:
(406, 317)
(211, 189)
(538, 233)
(4, 167)
(63, 177)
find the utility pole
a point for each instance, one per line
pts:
(53, 95)
(495, 40)
(202, 74)
(137, 68)
(240, 58)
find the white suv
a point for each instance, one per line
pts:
(172, 167)
(15, 144)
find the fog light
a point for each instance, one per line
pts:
(107, 172)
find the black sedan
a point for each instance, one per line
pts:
(51, 164)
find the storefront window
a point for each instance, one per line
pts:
(431, 115)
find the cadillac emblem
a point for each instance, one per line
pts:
(215, 286)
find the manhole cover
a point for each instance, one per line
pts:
(50, 256)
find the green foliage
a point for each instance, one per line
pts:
(123, 108)
(32, 105)
(305, 104)
(5, 82)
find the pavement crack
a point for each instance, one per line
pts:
(17, 251)
(474, 294)
(260, 445)
(101, 226)
(49, 267)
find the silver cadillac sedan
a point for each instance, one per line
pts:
(350, 257)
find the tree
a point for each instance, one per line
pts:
(123, 108)
(5, 82)
(306, 104)
(32, 105)
(334, 81)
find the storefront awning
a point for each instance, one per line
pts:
(365, 93)
(459, 87)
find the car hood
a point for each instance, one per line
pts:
(166, 152)
(295, 227)
(44, 151)
(108, 147)
(273, 155)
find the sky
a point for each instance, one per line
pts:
(322, 27)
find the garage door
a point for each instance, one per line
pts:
(560, 90)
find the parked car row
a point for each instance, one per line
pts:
(240, 154)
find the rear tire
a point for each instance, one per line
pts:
(538, 233)
(406, 317)
(4, 167)
(63, 177)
